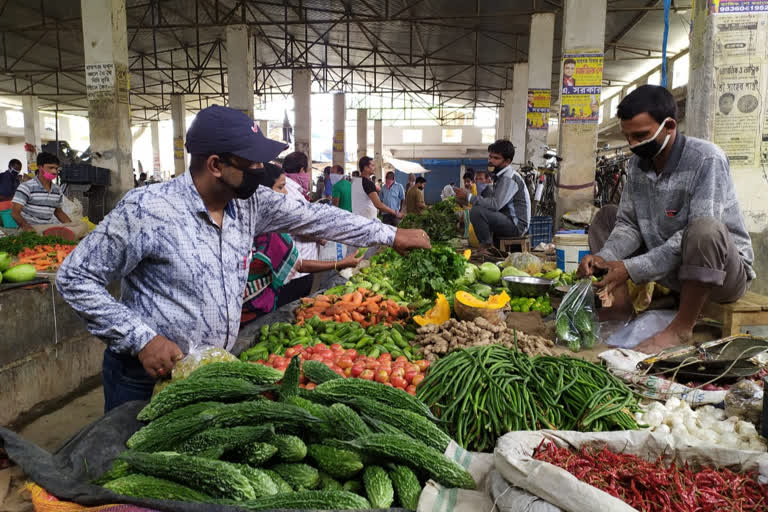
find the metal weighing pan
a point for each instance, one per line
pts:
(728, 359)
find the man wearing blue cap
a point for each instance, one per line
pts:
(181, 250)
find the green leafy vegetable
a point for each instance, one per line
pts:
(439, 221)
(13, 245)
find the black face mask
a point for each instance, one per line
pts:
(651, 148)
(247, 188)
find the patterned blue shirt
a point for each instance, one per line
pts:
(182, 276)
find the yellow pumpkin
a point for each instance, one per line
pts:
(493, 302)
(440, 313)
(467, 254)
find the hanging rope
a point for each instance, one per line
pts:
(667, 6)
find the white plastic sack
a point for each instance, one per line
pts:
(641, 328)
(72, 207)
(513, 459)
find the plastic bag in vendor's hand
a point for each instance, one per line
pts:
(576, 324)
(524, 261)
(192, 361)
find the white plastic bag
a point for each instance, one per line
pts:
(641, 328)
(576, 324)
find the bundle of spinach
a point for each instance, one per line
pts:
(424, 273)
(439, 221)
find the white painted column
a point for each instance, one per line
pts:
(240, 68)
(155, 131)
(302, 108)
(339, 121)
(179, 119)
(505, 119)
(362, 132)
(583, 33)
(378, 147)
(105, 40)
(542, 40)
(518, 109)
(31, 108)
(264, 127)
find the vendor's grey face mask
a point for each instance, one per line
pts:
(651, 148)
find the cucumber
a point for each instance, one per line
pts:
(20, 273)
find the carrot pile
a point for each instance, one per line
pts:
(363, 306)
(45, 257)
(653, 487)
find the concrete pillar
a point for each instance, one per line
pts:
(718, 66)
(583, 38)
(155, 131)
(339, 121)
(378, 147)
(264, 127)
(302, 123)
(541, 44)
(107, 85)
(362, 132)
(31, 108)
(518, 109)
(178, 117)
(240, 68)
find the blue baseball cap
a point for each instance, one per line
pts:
(220, 129)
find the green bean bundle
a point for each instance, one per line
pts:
(484, 392)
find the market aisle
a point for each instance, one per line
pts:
(49, 432)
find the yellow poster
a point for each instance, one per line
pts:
(538, 108)
(738, 6)
(338, 141)
(580, 92)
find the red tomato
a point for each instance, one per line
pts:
(388, 384)
(351, 353)
(367, 375)
(307, 350)
(311, 385)
(371, 364)
(272, 358)
(401, 359)
(299, 348)
(410, 373)
(417, 379)
(357, 369)
(348, 372)
(320, 346)
(316, 357)
(398, 382)
(302, 379)
(337, 348)
(302, 385)
(261, 361)
(385, 357)
(382, 376)
(411, 390)
(345, 362)
(291, 352)
(398, 372)
(423, 364)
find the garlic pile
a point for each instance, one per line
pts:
(706, 426)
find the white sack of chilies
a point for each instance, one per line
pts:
(513, 459)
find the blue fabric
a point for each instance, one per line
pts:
(182, 276)
(9, 181)
(124, 379)
(328, 190)
(393, 196)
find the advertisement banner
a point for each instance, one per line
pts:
(539, 101)
(738, 6)
(580, 92)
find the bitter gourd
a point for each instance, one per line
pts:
(347, 423)
(343, 390)
(319, 372)
(173, 428)
(224, 438)
(262, 483)
(289, 448)
(309, 500)
(300, 476)
(407, 486)
(283, 486)
(253, 373)
(337, 462)
(378, 487)
(145, 486)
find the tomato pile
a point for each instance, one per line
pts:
(399, 373)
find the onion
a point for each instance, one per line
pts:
(664, 429)
(653, 418)
(673, 403)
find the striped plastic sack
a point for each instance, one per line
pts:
(44, 502)
(436, 498)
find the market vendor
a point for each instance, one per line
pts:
(39, 201)
(175, 246)
(373, 204)
(678, 223)
(507, 211)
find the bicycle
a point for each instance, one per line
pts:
(530, 176)
(610, 180)
(545, 197)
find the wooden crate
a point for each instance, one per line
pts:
(505, 244)
(737, 317)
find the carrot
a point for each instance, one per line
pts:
(373, 308)
(357, 298)
(307, 300)
(345, 317)
(322, 298)
(357, 317)
(347, 297)
(337, 318)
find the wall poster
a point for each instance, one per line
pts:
(580, 93)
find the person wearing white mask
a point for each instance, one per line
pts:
(678, 223)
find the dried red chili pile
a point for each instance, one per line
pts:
(651, 486)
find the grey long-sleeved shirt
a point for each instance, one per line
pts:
(655, 209)
(509, 196)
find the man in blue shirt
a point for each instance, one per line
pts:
(181, 250)
(9, 180)
(392, 195)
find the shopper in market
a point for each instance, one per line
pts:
(483, 183)
(342, 190)
(414, 199)
(678, 223)
(39, 201)
(175, 246)
(9, 180)
(507, 211)
(469, 181)
(392, 195)
(274, 259)
(373, 205)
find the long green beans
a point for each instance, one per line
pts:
(484, 392)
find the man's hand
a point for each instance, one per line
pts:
(617, 275)
(400, 214)
(588, 265)
(407, 239)
(159, 356)
(461, 193)
(350, 261)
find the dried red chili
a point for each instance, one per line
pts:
(653, 487)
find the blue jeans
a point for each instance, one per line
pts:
(124, 380)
